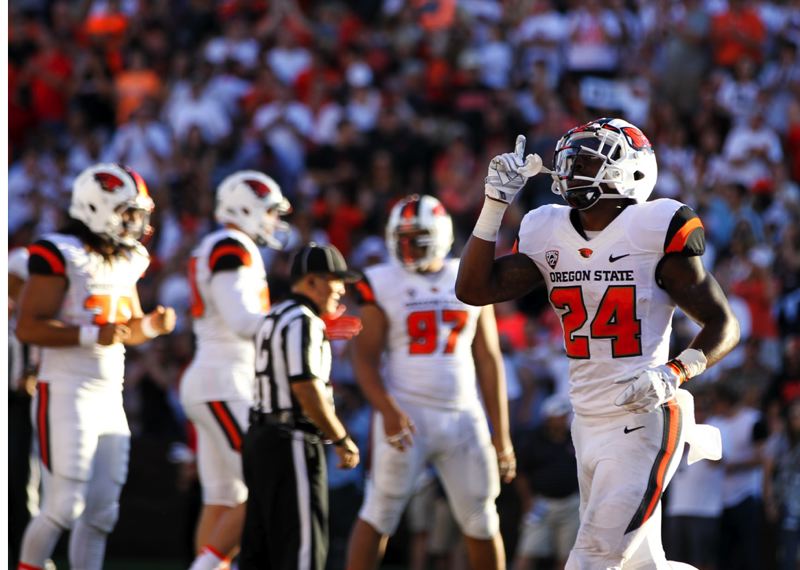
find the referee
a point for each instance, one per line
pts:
(286, 525)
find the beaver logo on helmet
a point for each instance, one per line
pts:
(108, 182)
(261, 189)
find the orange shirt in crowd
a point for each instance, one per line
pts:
(132, 88)
(52, 71)
(733, 36)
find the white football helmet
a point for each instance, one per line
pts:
(245, 198)
(113, 202)
(628, 163)
(419, 223)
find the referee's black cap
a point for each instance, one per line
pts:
(322, 260)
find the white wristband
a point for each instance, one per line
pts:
(88, 335)
(489, 221)
(693, 361)
(148, 329)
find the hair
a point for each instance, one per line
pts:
(107, 248)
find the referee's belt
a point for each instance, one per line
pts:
(283, 418)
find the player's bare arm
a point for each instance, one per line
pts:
(40, 304)
(146, 327)
(697, 293)
(367, 349)
(484, 280)
(492, 383)
(314, 402)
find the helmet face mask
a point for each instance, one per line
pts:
(133, 222)
(253, 202)
(603, 159)
(113, 202)
(419, 232)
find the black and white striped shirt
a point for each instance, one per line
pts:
(290, 347)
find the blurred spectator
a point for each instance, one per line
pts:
(743, 436)
(201, 110)
(235, 44)
(694, 507)
(143, 143)
(737, 32)
(134, 85)
(782, 486)
(595, 35)
(548, 485)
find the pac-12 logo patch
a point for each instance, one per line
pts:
(585, 252)
(551, 256)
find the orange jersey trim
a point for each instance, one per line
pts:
(52, 259)
(43, 424)
(221, 251)
(366, 292)
(679, 240)
(227, 423)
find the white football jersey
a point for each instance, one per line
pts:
(616, 319)
(225, 250)
(429, 341)
(99, 292)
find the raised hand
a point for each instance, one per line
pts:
(509, 172)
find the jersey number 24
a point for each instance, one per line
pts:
(615, 319)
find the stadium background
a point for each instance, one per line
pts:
(350, 105)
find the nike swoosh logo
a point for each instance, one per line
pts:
(612, 259)
(629, 430)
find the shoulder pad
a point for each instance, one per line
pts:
(46, 259)
(365, 295)
(228, 254)
(685, 233)
(533, 228)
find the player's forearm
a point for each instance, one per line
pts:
(317, 408)
(491, 381)
(474, 283)
(47, 332)
(372, 387)
(718, 337)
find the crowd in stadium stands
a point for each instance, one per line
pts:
(351, 105)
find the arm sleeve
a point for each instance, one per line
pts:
(228, 254)
(303, 339)
(241, 308)
(46, 259)
(365, 294)
(685, 234)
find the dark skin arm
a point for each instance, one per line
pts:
(699, 295)
(367, 350)
(484, 280)
(41, 301)
(492, 383)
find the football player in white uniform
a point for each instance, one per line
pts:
(427, 402)
(81, 305)
(615, 267)
(229, 301)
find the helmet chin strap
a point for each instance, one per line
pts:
(603, 196)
